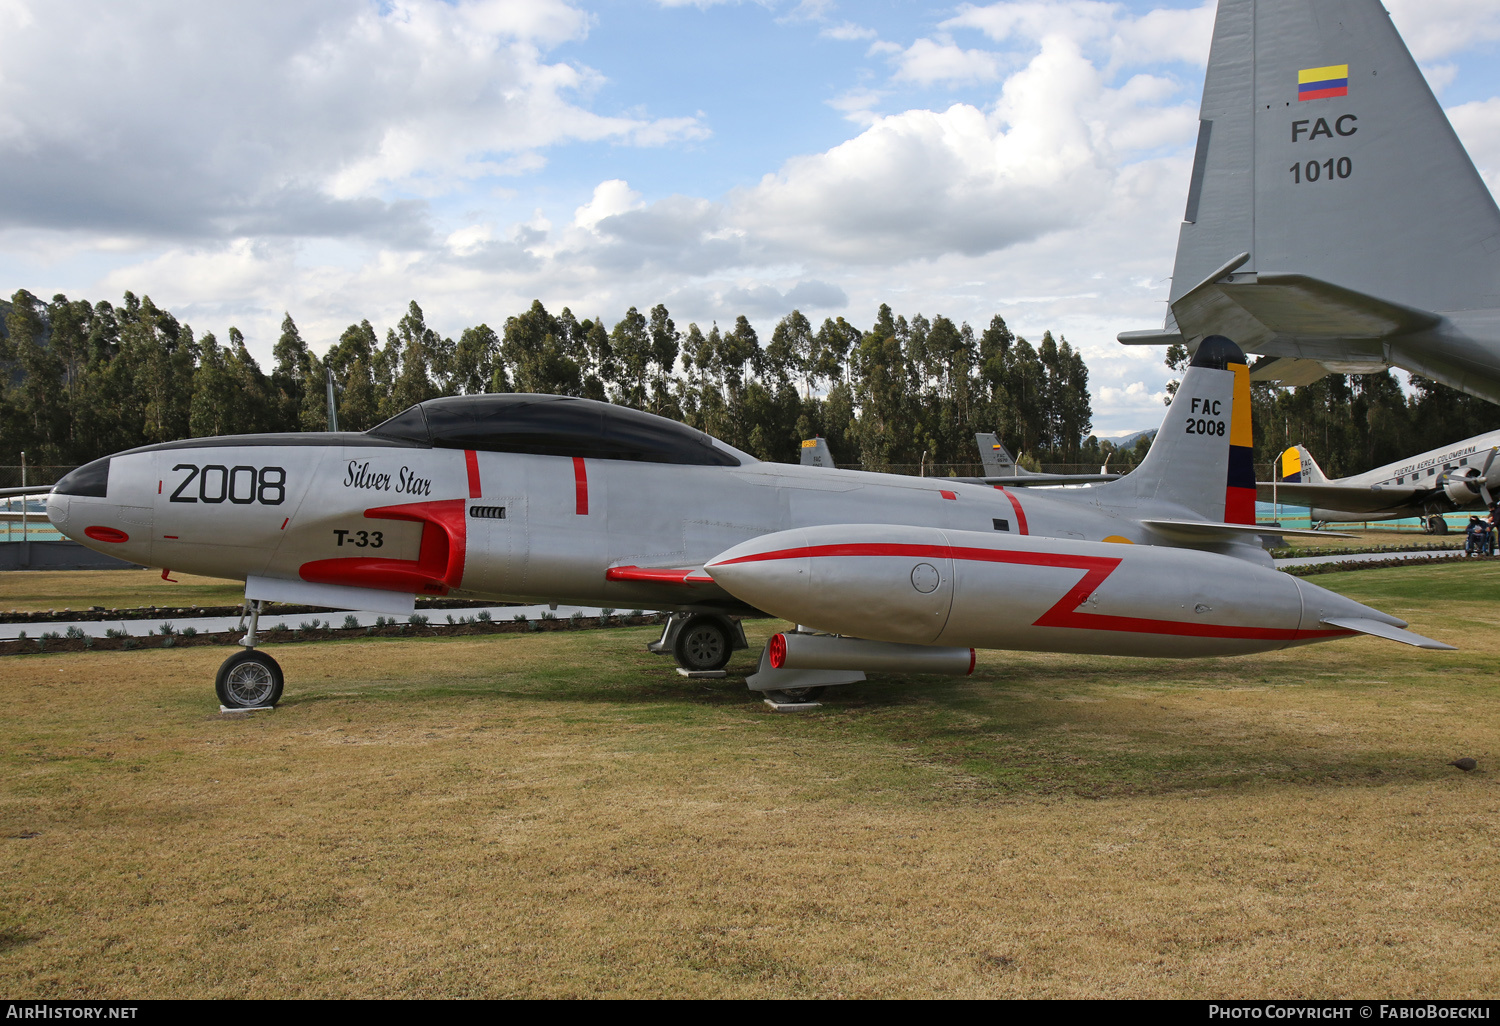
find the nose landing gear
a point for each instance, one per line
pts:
(249, 679)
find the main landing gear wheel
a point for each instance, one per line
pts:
(1437, 525)
(249, 680)
(703, 643)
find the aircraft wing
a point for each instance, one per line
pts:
(685, 576)
(1344, 498)
(1030, 479)
(1207, 530)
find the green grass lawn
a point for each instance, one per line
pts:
(553, 815)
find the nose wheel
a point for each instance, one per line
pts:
(249, 680)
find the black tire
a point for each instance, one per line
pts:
(249, 680)
(1437, 525)
(704, 643)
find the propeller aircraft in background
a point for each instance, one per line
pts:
(1450, 479)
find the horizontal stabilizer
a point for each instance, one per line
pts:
(1150, 337)
(1027, 479)
(1288, 371)
(1375, 628)
(1201, 530)
(1344, 498)
(1265, 307)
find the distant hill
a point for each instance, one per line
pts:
(1128, 441)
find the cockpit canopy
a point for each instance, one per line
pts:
(552, 425)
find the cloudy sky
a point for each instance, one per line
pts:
(337, 158)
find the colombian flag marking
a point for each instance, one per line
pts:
(1322, 83)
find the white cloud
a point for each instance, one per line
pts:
(1167, 34)
(848, 31)
(923, 183)
(1478, 126)
(1434, 29)
(927, 62)
(172, 118)
(610, 199)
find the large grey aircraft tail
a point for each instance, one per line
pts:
(1202, 458)
(1333, 219)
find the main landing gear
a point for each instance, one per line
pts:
(700, 642)
(249, 679)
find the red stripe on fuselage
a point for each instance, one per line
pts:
(580, 487)
(471, 461)
(1065, 612)
(1015, 505)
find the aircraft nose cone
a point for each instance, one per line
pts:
(57, 512)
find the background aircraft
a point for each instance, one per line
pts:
(546, 498)
(1000, 468)
(1439, 481)
(1334, 222)
(815, 453)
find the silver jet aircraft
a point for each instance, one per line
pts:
(1453, 478)
(539, 498)
(1334, 222)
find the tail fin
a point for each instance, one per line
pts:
(815, 453)
(1321, 150)
(1297, 465)
(1330, 199)
(996, 460)
(1202, 458)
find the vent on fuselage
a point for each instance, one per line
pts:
(487, 512)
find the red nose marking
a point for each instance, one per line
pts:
(106, 534)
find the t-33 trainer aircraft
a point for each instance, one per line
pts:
(542, 498)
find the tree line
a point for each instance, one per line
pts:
(1357, 422)
(80, 380)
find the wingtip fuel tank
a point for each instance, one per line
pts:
(957, 589)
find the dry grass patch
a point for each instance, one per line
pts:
(555, 815)
(40, 590)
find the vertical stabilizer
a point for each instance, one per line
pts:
(994, 456)
(815, 453)
(1202, 458)
(1297, 466)
(1322, 152)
